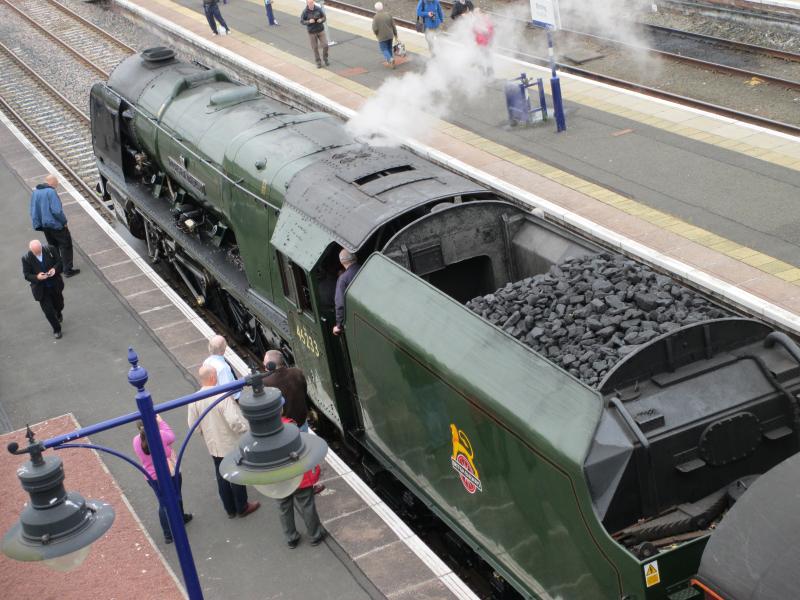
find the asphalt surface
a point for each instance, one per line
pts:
(85, 373)
(749, 201)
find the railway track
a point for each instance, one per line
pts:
(91, 45)
(639, 87)
(58, 128)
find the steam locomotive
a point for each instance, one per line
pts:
(567, 490)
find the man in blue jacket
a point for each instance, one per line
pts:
(47, 216)
(430, 11)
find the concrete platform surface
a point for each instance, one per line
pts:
(85, 374)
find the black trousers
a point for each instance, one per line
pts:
(61, 239)
(233, 496)
(162, 511)
(52, 304)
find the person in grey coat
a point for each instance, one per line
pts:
(385, 31)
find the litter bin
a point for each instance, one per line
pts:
(518, 101)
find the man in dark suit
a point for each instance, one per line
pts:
(41, 266)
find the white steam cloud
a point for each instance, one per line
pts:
(459, 71)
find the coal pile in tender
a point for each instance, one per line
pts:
(586, 313)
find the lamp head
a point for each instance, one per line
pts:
(56, 526)
(273, 456)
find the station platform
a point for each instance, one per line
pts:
(115, 302)
(710, 198)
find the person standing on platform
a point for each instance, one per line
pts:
(291, 382)
(430, 11)
(216, 349)
(483, 30)
(313, 17)
(142, 450)
(351, 267)
(270, 15)
(213, 16)
(41, 266)
(47, 216)
(385, 31)
(221, 429)
(460, 8)
(303, 500)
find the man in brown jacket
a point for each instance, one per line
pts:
(291, 381)
(384, 29)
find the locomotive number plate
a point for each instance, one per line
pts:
(308, 341)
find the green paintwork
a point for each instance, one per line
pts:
(423, 362)
(300, 237)
(244, 152)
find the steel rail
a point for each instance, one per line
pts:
(699, 62)
(80, 22)
(19, 120)
(752, 13)
(733, 44)
(629, 85)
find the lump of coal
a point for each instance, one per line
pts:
(586, 314)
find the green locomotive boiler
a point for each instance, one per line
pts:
(568, 490)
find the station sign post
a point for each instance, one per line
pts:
(545, 14)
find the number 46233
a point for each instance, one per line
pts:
(308, 341)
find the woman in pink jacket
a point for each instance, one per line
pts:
(143, 452)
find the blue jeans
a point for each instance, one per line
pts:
(212, 12)
(270, 15)
(386, 48)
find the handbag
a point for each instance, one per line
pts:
(399, 49)
(420, 25)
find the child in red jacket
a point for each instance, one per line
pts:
(483, 30)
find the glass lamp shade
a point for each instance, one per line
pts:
(281, 489)
(68, 562)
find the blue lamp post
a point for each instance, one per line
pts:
(58, 526)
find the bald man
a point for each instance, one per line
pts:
(216, 350)
(41, 266)
(221, 429)
(351, 267)
(47, 216)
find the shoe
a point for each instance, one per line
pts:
(327, 63)
(71, 272)
(250, 508)
(232, 515)
(60, 317)
(293, 544)
(318, 487)
(318, 541)
(228, 31)
(319, 65)
(187, 517)
(391, 64)
(167, 540)
(57, 335)
(215, 32)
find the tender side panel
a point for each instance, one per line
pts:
(486, 430)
